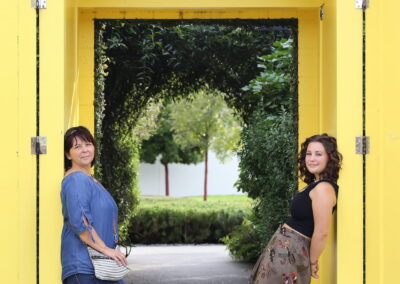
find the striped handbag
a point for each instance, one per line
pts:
(105, 268)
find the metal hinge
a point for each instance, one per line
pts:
(362, 4)
(39, 4)
(39, 145)
(322, 12)
(362, 145)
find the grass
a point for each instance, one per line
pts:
(213, 202)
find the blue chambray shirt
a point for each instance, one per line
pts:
(82, 196)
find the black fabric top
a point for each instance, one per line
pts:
(302, 219)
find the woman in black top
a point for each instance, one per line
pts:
(291, 255)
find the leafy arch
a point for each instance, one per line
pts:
(142, 60)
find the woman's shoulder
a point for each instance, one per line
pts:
(75, 176)
(324, 182)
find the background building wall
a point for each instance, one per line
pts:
(188, 180)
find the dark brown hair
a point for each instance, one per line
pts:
(69, 138)
(333, 166)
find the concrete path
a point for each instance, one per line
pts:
(185, 264)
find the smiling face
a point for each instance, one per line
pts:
(316, 159)
(81, 153)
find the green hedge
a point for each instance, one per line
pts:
(268, 174)
(186, 220)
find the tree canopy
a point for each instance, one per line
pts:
(206, 122)
(163, 144)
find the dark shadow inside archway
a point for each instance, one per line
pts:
(138, 61)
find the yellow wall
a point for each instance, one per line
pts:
(327, 116)
(17, 126)
(329, 101)
(311, 99)
(308, 52)
(349, 125)
(53, 55)
(382, 123)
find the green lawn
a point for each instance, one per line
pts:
(213, 202)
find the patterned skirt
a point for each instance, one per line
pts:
(285, 260)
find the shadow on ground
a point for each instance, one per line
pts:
(185, 264)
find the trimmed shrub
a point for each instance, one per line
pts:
(185, 220)
(267, 174)
(243, 242)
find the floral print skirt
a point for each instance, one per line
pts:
(285, 260)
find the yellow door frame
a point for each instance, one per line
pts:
(329, 98)
(308, 74)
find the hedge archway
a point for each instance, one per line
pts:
(142, 60)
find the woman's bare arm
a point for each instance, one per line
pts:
(323, 200)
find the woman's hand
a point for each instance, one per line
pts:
(115, 254)
(314, 269)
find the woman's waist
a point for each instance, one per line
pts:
(295, 232)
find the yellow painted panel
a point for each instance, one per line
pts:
(382, 123)
(9, 116)
(85, 69)
(328, 114)
(309, 74)
(27, 129)
(230, 13)
(17, 116)
(349, 125)
(71, 99)
(199, 4)
(53, 56)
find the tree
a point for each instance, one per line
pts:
(205, 121)
(162, 143)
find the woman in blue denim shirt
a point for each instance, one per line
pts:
(90, 213)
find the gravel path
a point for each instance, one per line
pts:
(185, 264)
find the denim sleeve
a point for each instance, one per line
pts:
(76, 196)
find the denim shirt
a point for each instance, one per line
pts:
(82, 196)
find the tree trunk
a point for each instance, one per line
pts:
(166, 180)
(205, 175)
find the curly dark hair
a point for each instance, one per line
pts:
(69, 138)
(333, 166)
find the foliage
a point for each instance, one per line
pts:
(206, 122)
(272, 86)
(243, 241)
(186, 220)
(162, 143)
(146, 125)
(120, 169)
(158, 59)
(268, 153)
(153, 60)
(268, 174)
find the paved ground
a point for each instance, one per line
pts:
(185, 264)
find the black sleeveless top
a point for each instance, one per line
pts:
(302, 219)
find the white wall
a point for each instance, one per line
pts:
(188, 180)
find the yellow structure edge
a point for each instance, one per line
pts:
(383, 127)
(17, 126)
(52, 91)
(349, 125)
(330, 88)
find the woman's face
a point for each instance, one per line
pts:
(81, 153)
(316, 158)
